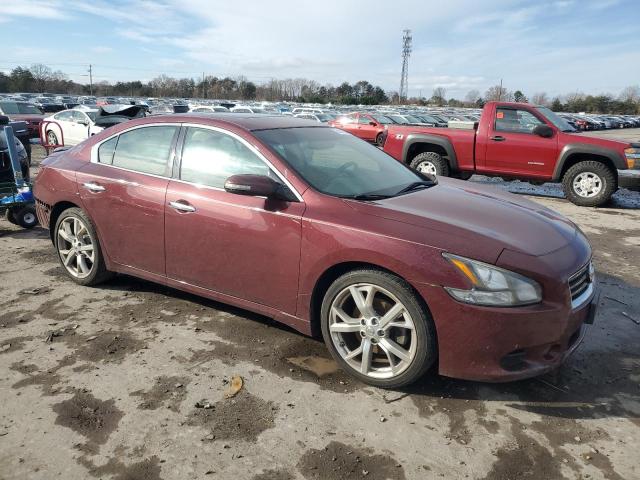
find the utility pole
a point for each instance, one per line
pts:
(203, 85)
(90, 79)
(500, 92)
(404, 76)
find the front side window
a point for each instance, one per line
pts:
(362, 120)
(210, 157)
(516, 121)
(337, 163)
(145, 150)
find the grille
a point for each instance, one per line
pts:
(580, 281)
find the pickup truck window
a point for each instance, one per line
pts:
(515, 120)
(556, 119)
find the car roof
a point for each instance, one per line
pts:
(246, 121)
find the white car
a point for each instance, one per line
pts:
(245, 109)
(70, 127)
(212, 109)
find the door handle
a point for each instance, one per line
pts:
(497, 138)
(94, 187)
(182, 206)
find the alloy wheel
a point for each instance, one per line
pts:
(372, 331)
(587, 184)
(75, 247)
(427, 167)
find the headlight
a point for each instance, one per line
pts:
(493, 286)
(633, 157)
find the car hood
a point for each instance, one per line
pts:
(478, 214)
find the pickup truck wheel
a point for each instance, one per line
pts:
(430, 163)
(589, 184)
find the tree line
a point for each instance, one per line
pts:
(40, 78)
(626, 103)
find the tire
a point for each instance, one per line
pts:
(52, 138)
(11, 217)
(26, 216)
(96, 272)
(430, 163)
(417, 351)
(379, 139)
(589, 184)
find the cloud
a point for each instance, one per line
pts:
(32, 9)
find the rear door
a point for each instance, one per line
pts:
(123, 190)
(244, 246)
(513, 148)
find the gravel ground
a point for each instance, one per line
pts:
(128, 381)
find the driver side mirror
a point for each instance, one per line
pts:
(544, 131)
(258, 186)
(373, 124)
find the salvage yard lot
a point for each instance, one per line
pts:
(112, 382)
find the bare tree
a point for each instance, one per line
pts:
(472, 96)
(41, 76)
(439, 96)
(498, 94)
(630, 94)
(540, 98)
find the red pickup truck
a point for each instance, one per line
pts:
(521, 141)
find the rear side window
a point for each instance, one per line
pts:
(210, 157)
(146, 149)
(106, 151)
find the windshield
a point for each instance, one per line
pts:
(413, 119)
(92, 115)
(397, 119)
(556, 119)
(337, 163)
(383, 120)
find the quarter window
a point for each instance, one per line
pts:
(515, 121)
(210, 157)
(145, 150)
(106, 151)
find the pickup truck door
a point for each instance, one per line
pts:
(513, 148)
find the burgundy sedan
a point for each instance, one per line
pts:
(324, 232)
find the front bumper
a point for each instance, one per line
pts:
(629, 179)
(505, 344)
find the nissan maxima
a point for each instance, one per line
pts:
(308, 224)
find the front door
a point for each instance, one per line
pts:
(366, 130)
(513, 148)
(244, 246)
(124, 190)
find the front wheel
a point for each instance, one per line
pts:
(377, 329)
(430, 163)
(589, 184)
(379, 139)
(52, 138)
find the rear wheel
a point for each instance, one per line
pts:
(430, 163)
(52, 138)
(26, 216)
(589, 184)
(377, 329)
(79, 249)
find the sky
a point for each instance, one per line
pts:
(552, 46)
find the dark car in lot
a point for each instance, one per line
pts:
(328, 234)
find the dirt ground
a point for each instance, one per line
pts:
(128, 381)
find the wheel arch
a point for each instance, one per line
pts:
(416, 144)
(332, 273)
(56, 211)
(576, 153)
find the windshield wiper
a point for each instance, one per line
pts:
(369, 196)
(415, 186)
